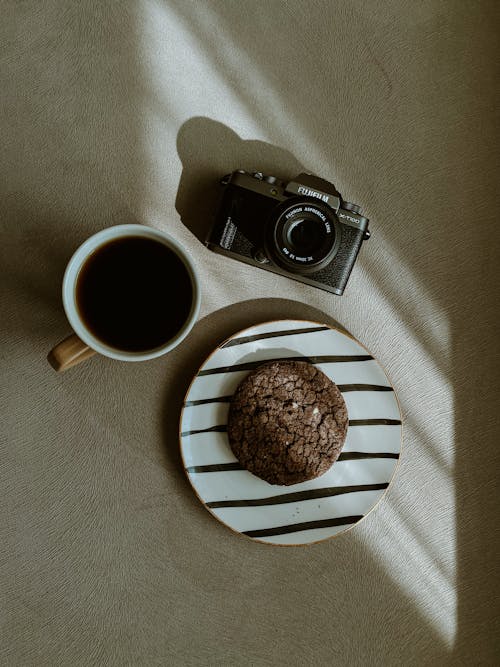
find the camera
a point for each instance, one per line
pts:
(301, 229)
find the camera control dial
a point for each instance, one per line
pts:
(349, 206)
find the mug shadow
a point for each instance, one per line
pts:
(72, 145)
(33, 267)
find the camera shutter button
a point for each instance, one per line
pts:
(270, 179)
(349, 206)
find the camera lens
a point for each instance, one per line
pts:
(303, 236)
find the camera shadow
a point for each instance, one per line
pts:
(208, 150)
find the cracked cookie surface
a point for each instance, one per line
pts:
(287, 422)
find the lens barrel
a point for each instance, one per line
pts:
(303, 236)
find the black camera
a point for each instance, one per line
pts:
(301, 229)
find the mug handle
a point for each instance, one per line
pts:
(68, 353)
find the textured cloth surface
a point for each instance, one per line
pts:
(115, 112)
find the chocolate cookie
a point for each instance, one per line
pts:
(287, 422)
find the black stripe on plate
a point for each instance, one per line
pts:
(354, 456)
(344, 388)
(374, 422)
(216, 467)
(324, 359)
(308, 525)
(363, 387)
(219, 428)
(312, 494)
(344, 456)
(272, 334)
(203, 401)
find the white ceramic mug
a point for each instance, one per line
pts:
(83, 344)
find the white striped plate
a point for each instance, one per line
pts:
(314, 510)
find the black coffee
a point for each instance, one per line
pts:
(134, 293)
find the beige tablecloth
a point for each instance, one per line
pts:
(116, 112)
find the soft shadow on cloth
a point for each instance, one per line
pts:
(436, 261)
